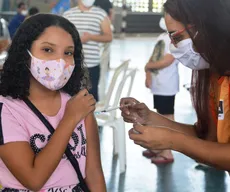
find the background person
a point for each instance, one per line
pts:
(162, 78)
(18, 18)
(94, 27)
(33, 11)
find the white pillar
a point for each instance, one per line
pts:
(124, 21)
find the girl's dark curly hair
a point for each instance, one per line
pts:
(15, 77)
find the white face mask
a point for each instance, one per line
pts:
(24, 12)
(88, 3)
(185, 53)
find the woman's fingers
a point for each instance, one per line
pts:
(139, 128)
(129, 118)
(140, 106)
(125, 110)
(127, 101)
(141, 144)
(133, 135)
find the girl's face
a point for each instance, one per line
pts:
(54, 43)
(176, 30)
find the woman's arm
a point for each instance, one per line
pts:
(106, 33)
(164, 62)
(161, 138)
(94, 174)
(111, 14)
(159, 120)
(148, 79)
(207, 152)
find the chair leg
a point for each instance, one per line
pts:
(121, 144)
(115, 141)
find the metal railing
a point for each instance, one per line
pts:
(7, 15)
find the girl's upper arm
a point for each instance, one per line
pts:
(18, 158)
(15, 150)
(94, 174)
(93, 144)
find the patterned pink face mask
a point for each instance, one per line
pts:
(53, 74)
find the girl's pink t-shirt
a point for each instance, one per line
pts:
(19, 123)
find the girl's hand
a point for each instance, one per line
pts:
(79, 106)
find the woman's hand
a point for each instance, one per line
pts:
(79, 106)
(153, 138)
(135, 111)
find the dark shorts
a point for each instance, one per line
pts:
(164, 104)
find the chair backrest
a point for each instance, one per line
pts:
(118, 76)
(104, 65)
(105, 56)
(122, 87)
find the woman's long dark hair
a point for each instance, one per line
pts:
(212, 22)
(15, 78)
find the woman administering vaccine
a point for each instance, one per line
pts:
(200, 37)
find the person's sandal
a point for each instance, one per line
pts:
(148, 154)
(160, 160)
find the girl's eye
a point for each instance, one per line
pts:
(48, 50)
(69, 53)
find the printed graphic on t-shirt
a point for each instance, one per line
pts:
(221, 110)
(59, 189)
(41, 138)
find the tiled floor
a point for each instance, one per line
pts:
(141, 176)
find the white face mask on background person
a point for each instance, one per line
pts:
(24, 12)
(185, 53)
(88, 3)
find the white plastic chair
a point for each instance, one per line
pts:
(119, 74)
(104, 65)
(116, 122)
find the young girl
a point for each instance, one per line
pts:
(31, 157)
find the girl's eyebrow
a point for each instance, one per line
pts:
(52, 44)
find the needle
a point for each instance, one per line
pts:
(110, 109)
